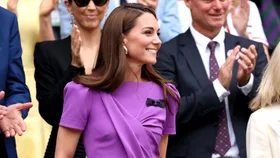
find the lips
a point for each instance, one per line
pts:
(91, 16)
(152, 50)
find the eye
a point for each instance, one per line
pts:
(158, 33)
(148, 32)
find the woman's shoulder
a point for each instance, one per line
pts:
(266, 114)
(173, 88)
(54, 44)
(56, 49)
(78, 88)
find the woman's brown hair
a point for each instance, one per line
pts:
(109, 72)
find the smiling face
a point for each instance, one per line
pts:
(209, 15)
(88, 17)
(142, 41)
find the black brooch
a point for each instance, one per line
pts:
(152, 102)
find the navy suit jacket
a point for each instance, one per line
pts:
(12, 79)
(197, 118)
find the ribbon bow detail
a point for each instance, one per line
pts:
(153, 102)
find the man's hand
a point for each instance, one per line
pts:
(47, 6)
(247, 63)
(150, 3)
(12, 6)
(12, 123)
(225, 74)
(3, 109)
(240, 17)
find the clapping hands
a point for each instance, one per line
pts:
(11, 121)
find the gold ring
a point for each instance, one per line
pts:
(251, 66)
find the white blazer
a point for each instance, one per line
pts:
(263, 133)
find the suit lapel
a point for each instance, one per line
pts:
(230, 43)
(190, 51)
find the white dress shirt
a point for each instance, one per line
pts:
(201, 43)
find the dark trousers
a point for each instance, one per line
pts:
(3, 151)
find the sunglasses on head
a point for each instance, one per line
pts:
(83, 3)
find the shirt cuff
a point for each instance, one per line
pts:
(221, 92)
(248, 87)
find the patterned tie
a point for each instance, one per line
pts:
(271, 21)
(222, 144)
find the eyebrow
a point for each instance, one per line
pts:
(150, 28)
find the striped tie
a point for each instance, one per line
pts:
(271, 21)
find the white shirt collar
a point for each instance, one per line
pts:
(203, 41)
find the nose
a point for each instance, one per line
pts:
(157, 40)
(217, 4)
(91, 5)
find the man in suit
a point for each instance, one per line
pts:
(217, 74)
(166, 11)
(16, 98)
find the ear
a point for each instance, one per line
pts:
(68, 6)
(124, 39)
(188, 3)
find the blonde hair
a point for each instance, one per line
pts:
(269, 89)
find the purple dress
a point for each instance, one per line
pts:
(127, 123)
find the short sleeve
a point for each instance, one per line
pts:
(169, 127)
(76, 106)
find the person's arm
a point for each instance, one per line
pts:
(67, 140)
(168, 19)
(257, 140)
(45, 20)
(46, 30)
(76, 112)
(49, 88)
(17, 91)
(163, 146)
(65, 20)
(256, 28)
(12, 6)
(197, 103)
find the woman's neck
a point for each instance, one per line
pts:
(91, 38)
(134, 73)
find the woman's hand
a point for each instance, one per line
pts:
(240, 17)
(76, 43)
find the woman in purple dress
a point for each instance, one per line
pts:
(125, 109)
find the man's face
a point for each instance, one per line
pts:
(208, 14)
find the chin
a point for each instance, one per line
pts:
(152, 62)
(91, 26)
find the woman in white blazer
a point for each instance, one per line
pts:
(263, 130)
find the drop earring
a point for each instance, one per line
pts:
(125, 50)
(72, 20)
